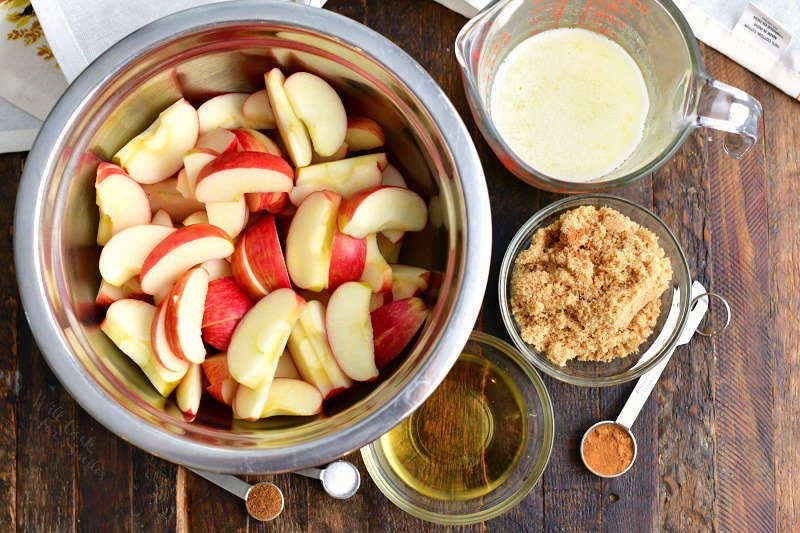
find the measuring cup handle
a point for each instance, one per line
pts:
(725, 108)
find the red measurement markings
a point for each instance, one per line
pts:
(494, 52)
(546, 13)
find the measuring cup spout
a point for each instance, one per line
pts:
(725, 108)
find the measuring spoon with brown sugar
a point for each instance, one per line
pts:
(617, 434)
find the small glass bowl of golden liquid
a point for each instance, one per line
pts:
(478, 444)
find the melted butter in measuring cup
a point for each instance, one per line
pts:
(570, 102)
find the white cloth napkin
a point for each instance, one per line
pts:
(762, 36)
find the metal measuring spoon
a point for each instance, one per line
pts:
(644, 386)
(239, 488)
(340, 479)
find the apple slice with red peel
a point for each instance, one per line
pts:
(183, 315)
(364, 134)
(408, 281)
(260, 337)
(223, 111)
(309, 241)
(389, 250)
(225, 305)
(292, 397)
(201, 217)
(338, 155)
(221, 386)
(393, 327)
(230, 216)
(249, 402)
(231, 175)
(217, 268)
(349, 328)
(128, 324)
(125, 253)
(107, 294)
(257, 111)
(271, 202)
(346, 177)
(379, 299)
(380, 209)
(218, 140)
(348, 258)
(165, 196)
(286, 368)
(377, 272)
(180, 251)
(320, 109)
(158, 340)
(162, 218)
(157, 152)
(291, 128)
(189, 392)
(193, 162)
(393, 178)
(308, 345)
(122, 202)
(254, 141)
(257, 262)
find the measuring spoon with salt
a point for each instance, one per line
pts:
(644, 386)
(340, 479)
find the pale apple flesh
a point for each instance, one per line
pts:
(183, 315)
(125, 253)
(231, 217)
(292, 397)
(338, 155)
(364, 134)
(121, 201)
(189, 392)
(408, 281)
(217, 268)
(231, 175)
(221, 386)
(193, 162)
(291, 128)
(108, 293)
(257, 111)
(250, 140)
(158, 341)
(380, 209)
(346, 176)
(218, 140)
(377, 272)
(223, 111)
(309, 241)
(200, 217)
(165, 195)
(349, 328)
(320, 109)
(162, 218)
(286, 368)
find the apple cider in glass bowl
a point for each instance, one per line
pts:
(246, 238)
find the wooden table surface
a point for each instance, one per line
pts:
(717, 441)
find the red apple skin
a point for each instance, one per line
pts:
(394, 325)
(255, 141)
(243, 275)
(261, 246)
(215, 368)
(171, 313)
(366, 124)
(258, 160)
(348, 257)
(226, 304)
(271, 202)
(177, 238)
(106, 169)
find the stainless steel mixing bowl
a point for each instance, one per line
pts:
(203, 52)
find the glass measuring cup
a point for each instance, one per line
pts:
(658, 38)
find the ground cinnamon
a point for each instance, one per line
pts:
(264, 501)
(608, 449)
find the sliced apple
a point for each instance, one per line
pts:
(231, 175)
(221, 386)
(377, 272)
(128, 324)
(292, 397)
(260, 337)
(218, 140)
(249, 402)
(108, 293)
(257, 111)
(309, 241)
(225, 305)
(380, 209)
(223, 111)
(393, 178)
(408, 281)
(292, 130)
(338, 155)
(201, 217)
(189, 392)
(158, 341)
(162, 218)
(257, 263)
(254, 141)
(320, 109)
(364, 134)
(122, 202)
(271, 202)
(124, 255)
(393, 327)
(348, 258)
(286, 368)
(157, 152)
(346, 177)
(389, 250)
(379, 299)
(193, 162)
(217, 268)
(165, 196)
(230, 216)
(349, 328)
(183, 315)
(308, 346)
(180, 251)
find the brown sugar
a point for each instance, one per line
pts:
(608, 449)
(589, 286)
(264, 501)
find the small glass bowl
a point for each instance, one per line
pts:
(674, 303)
(525, 472)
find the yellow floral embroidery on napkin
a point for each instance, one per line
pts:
(28, 30)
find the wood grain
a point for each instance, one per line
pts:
(152, 493)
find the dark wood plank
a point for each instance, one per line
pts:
(203, 506)
(10, 168)
(153, 499)
(743, 396)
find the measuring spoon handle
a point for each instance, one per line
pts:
(314, 473)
